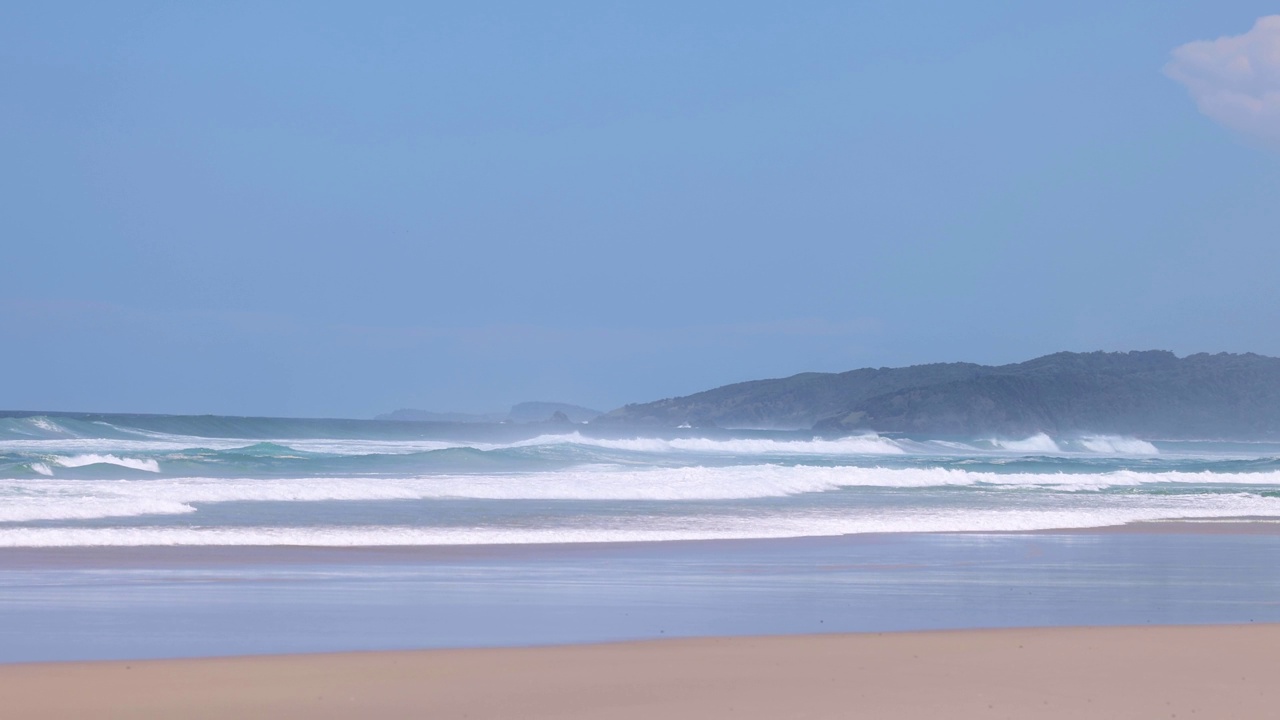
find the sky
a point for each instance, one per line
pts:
(339, 209)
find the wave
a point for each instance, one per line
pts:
(82, 427)
(647, 529)
(1038, 443)
(38, 427)
(44, 423)
(50, 499)
(328, 446)
(116, 445)
(47, 508)
(75, 461)
(56, 500)
(568, 447)
(1042, 443)
(854, 445)
(267, 460)
(117, 434)
(1114, 445)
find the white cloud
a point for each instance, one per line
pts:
(1235, 80)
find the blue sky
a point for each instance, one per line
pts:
(340, 209)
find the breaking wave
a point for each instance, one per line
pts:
(157, 480)
(645, 529)
(1038, 443)
(1112, 445)
(854, 445)
(75, 461)
(46, 499)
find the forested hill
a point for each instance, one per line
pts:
(1151, 394)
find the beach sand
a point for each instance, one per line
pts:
(1123, 672)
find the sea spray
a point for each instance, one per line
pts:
(153, 480)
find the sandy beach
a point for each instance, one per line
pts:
(1123, 672)
(208, 606)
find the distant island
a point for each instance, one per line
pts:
(1152, 394)
(525, 412)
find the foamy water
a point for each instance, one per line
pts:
(250, 482)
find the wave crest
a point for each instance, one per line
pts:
(1038, 443)
(1115, 445)
(853, 445)
(48, 499)
(75, 461)
(799, 524)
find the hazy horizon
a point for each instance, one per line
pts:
(331, 211)
(492, 414)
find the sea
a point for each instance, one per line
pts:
(135, 536)
(83, 480)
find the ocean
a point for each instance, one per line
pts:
(116, 480)
(131, 536)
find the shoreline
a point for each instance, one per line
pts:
(165, 556)
(91, 604)
(1063, 672)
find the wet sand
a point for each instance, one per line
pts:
(122, 603)
(1120, 672)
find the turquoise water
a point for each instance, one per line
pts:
(129, 536)
(154, 480)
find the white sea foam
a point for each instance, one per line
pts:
(51, 499)
(1038, 443)
(952, 445)
(62, 499)
(657, 528)
(112, 446)
(145, 464)
(375, 447)
(41, 468)
(853, 445)
(70, 507)
(860, 445)
(177, 443)
(46, 424)
(1113, 445)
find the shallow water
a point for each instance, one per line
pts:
(127, 603)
